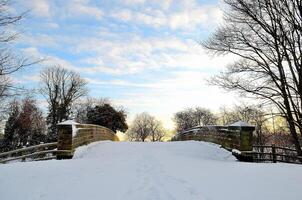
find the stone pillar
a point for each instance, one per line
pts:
(64, 141)
(246, 138)
(246, 135)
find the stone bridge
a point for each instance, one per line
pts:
(72, 135)
(235, 136)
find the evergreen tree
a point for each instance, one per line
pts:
(106, 115)
(25, 125)
(11, 127)
(32, 124)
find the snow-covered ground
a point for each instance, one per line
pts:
(154, 171)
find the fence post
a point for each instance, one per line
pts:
(64, 141)
(274, 153)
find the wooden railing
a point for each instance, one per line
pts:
(38, 152)
(266, 153)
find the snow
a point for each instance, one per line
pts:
(73, 124)
(68, 122)
(241, 124)
(236, 151)
(140, 171)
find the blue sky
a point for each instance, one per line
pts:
(142, 54)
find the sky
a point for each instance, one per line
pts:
(143, 55)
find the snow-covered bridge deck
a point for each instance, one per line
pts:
(175, 170)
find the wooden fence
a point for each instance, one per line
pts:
(265, 153)
(38, 152)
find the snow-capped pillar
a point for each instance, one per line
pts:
(246, 135)
(65, 140)
(246, 138)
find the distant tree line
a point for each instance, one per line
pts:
(145, 127)
(270, 127)
(192, 117)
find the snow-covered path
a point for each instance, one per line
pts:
(156, 171)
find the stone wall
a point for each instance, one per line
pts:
(87, 133)
(72, 135)
(236, 136)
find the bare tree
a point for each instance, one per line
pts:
(252, 114)
(82, 106)
(184, 120)
(61, 88)
(157, 131)
(10, 60)
(203, 116)
(266, 35)
(145, 126)
(243, 112)
(191, 117)
(139, 129)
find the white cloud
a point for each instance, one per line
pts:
(40, 8)
(189, 17)
(137, 55)
(206, 16)
(118, 82)
(132, 2)
(82, 8)
(145, 15)
(153, 18)
(52, 25)
(33, 52)
(49, 60)
(32, 78)
(70, 8)
(111, 70)
(123, 14)
(164, 4)
(38, 40)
